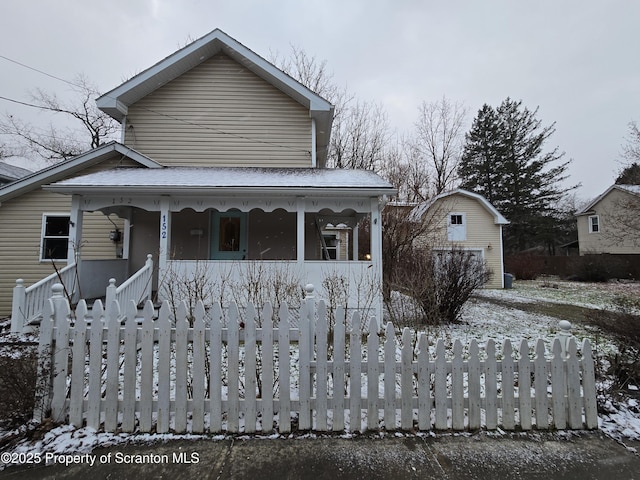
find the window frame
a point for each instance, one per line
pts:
(456, 230)
(591, 223)
(44, 236)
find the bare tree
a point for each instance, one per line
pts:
(406, 173)
(91, 127)
(360, 129)
(439, 140)
(631, 150)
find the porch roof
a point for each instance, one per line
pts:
(200, 180)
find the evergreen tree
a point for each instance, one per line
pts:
(504, 161)
(630, 175)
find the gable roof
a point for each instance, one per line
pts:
(208, 180)
(632, 189)
(71, 166)
(10, 172)
(418, 212)
(116, 102)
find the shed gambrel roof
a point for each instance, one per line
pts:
(632, 189)
(116, 102)
(418, 212)
(72, 166)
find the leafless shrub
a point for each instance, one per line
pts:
(441, 281)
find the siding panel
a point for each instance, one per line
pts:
(221, 114)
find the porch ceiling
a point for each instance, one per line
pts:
(224, 180)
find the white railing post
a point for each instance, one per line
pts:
(149, 286)
(61, 308)
(110, 294)
(18, 307)
(310, 302)
(564, 335)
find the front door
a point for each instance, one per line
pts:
(229, 236)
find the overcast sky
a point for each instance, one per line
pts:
(578, 61)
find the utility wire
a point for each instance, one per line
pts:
(206, 127)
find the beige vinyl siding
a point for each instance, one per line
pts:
(220, 114)
(20, 235)
(610, 238)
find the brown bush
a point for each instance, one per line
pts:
(18, 371)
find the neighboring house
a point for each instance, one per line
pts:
(10, 173)
(465, 220)
(611, 222)
(223, 166)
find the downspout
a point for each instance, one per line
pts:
(314, 159)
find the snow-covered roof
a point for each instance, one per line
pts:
(633, 189)
(71, 166)
(11, 172)
(418, 212)
(199, 180)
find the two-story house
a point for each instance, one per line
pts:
(221, 169)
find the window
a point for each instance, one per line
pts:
(456, 227)
(55, 237)
(594, 224)
(331, 246)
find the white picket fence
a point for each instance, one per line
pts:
(231, 371)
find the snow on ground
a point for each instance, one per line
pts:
(482, 320)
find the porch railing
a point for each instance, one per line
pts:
(28, 302)
(138, 287)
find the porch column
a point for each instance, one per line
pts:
(376, 251)
(300, 207)
(165, 235)
(356, 246)
(75, 230)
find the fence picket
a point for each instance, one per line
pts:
(524, 386)
(491, 386)
(373, 376)
(266, 343)
(284, 369)
(355, 374)
(338, 370)
(473, 381)
(164, 368)
(112, 386)
(558, 386)
(233, 371)
(60, 357)
(250, 370)
(389, 378)
(130, 363)
(573, 386)
(215, 369)
(508, 396)
(424, 381)
(406, 381)
(181, 351)
(440, 387)
(540, 384)
(457, 387)
(304, 367)
(322, 393)
(199, 372)
(94, 394)
(589, 386)
(78, 358)
(146, 368)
